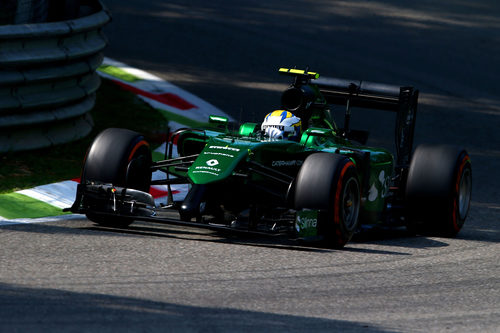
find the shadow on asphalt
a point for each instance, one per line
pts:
(399, 237)
(477, 229)
(39, 309)
(282, 242)
(194, 234)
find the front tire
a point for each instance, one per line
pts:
(438, 190)
(329, 182)
(120, 157)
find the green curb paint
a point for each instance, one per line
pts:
(118, 73)
(16, 205)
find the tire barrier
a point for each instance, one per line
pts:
(48, 79)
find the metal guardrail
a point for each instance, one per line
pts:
(48, 80)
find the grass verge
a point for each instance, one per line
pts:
(114, 107)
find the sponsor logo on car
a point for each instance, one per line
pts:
(212, 163)
(218, 154)
(202, 167)
(205, 171)
(287, 163)
(224, 148)
(380, 187)
(306, 223)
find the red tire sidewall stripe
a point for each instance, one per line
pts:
(136, 147)
(465, 160)
(339, 189)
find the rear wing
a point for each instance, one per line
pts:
(355, 93)
(380, 96)
(365, 94)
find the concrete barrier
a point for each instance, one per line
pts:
(48, 80)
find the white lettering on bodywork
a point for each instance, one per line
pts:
(201, 167)
(286, 163)
(217, 154)
(224, 148)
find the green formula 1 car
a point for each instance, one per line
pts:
(297, 173)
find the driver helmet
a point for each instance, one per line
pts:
(282, 124)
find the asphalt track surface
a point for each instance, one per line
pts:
(73, 276)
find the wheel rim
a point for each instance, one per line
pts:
(350, 204)
(464, 193)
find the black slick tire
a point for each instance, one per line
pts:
(120, 157)
(329, 182)
(438, 190)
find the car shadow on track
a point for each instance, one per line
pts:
(194, 234)
(274, 242)
(398, 237)
(388, 240)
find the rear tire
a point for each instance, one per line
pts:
(329, 182)
(120, 157)
(438, 190)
